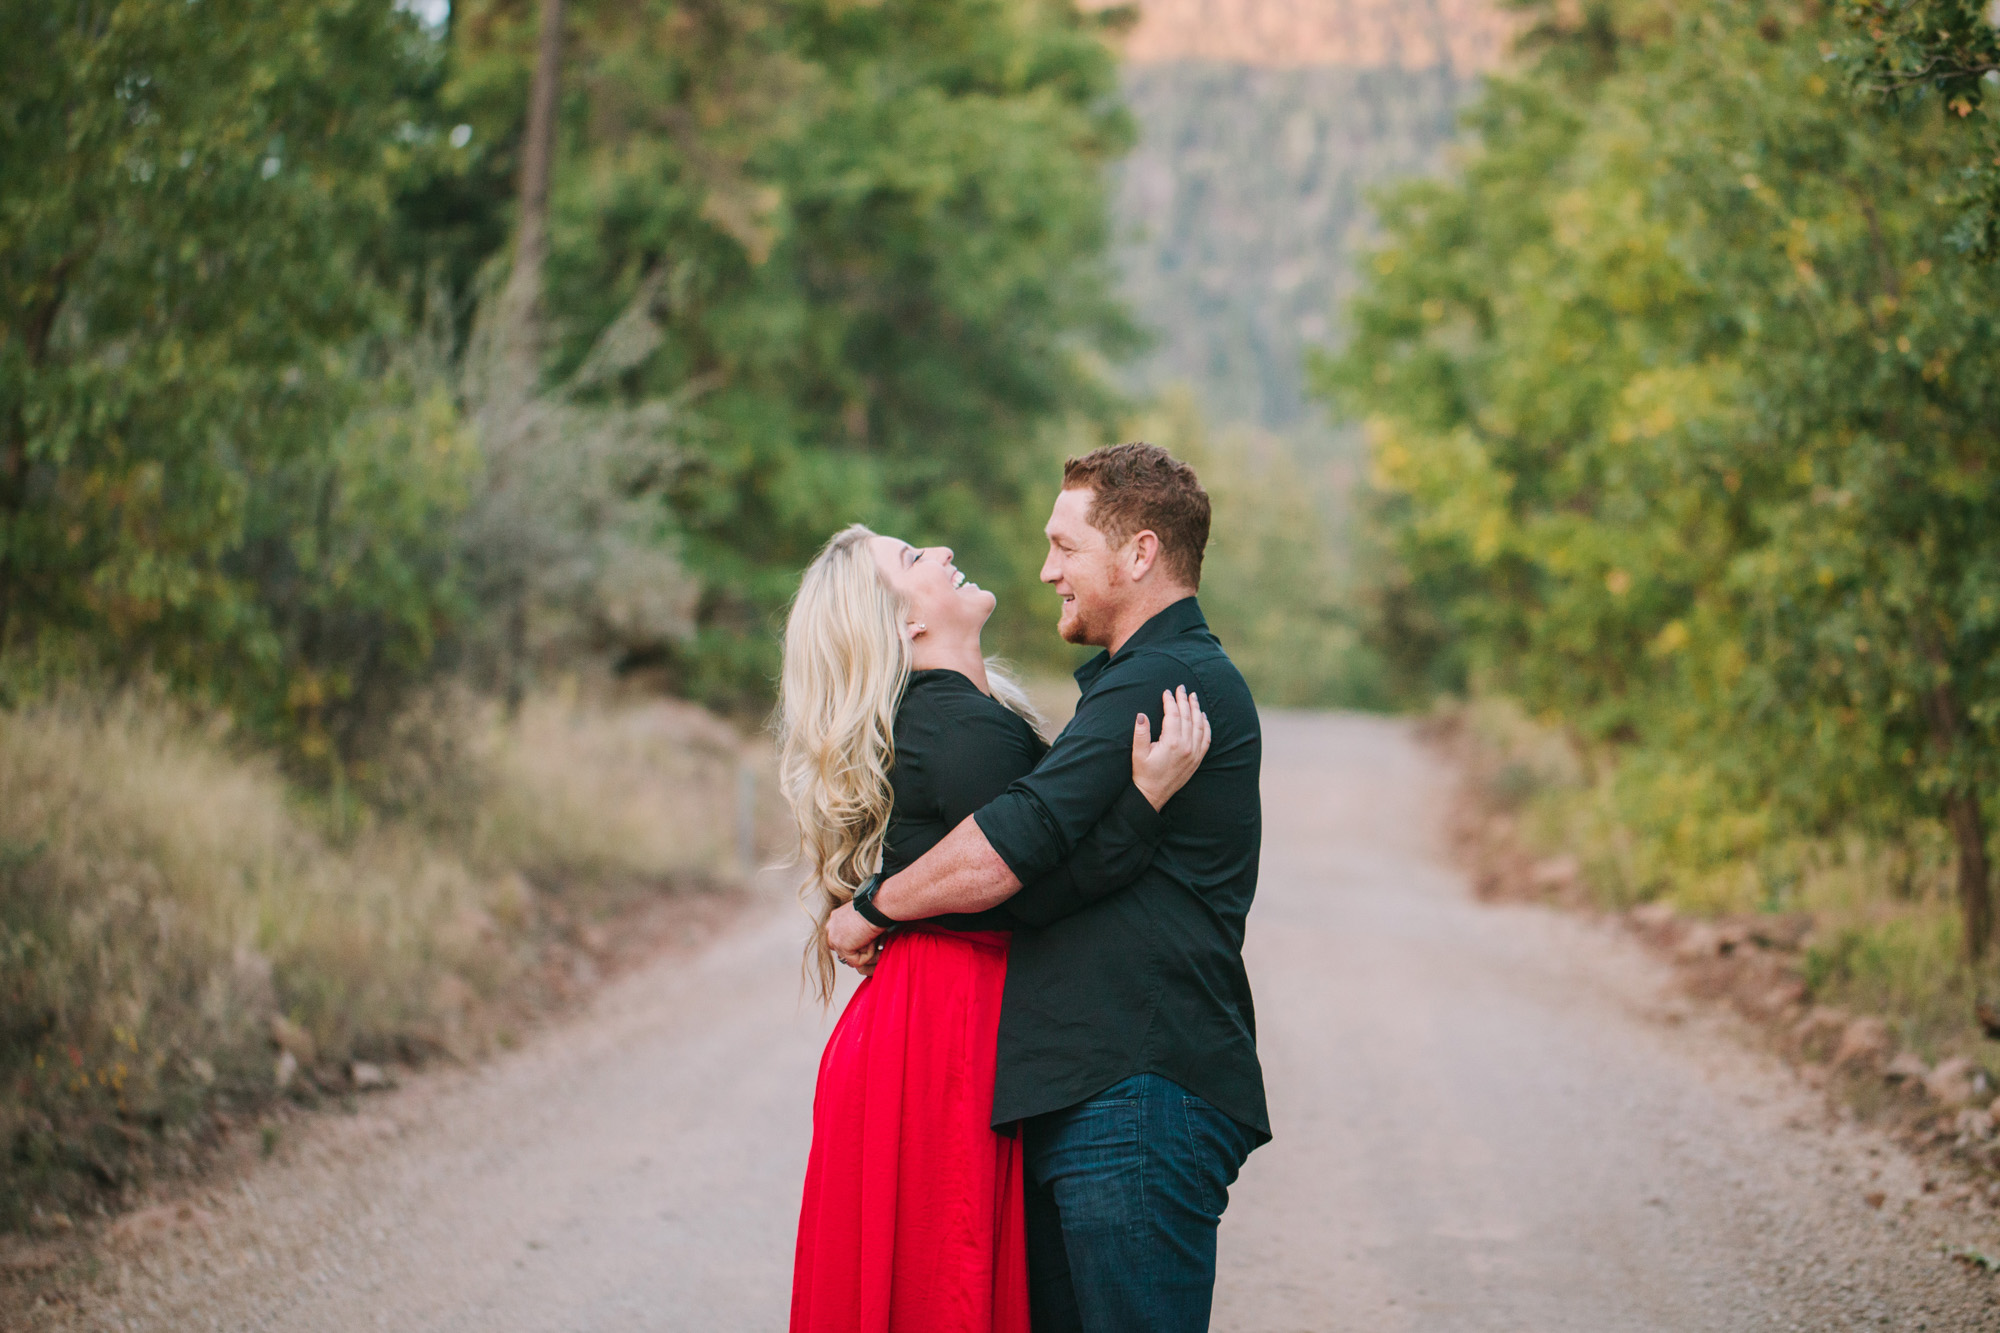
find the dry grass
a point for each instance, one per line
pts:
(170, 910)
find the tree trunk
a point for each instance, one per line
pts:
(39, 324)
(1975, 899)
(13, 489)
(521, 301)
(1962, 812)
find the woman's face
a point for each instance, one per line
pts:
(939, 597)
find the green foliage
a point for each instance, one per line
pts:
(1950, 50)
(871, 241)
(810, 262)
(1273, 583)
(186, 329)
(1680, 423)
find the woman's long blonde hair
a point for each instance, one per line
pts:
(847, 662)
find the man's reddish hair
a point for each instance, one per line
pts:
(1138, 487)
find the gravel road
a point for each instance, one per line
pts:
(1488, 1119)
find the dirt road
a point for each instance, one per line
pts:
(1488, 1119)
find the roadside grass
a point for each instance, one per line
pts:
(1885, 935)
(185, 938)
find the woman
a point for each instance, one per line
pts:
(894, 728)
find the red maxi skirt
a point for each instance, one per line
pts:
(912, 1221)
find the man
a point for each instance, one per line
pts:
(1127, 1041)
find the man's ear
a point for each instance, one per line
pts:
(1142, 553)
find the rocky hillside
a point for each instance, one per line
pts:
(1466, 35)
(1264, 124)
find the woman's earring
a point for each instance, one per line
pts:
(916, 627)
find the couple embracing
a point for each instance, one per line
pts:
(1031, 1111)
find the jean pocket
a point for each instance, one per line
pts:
(1097, 1168)
(1216, 1152)
(1111, 1123)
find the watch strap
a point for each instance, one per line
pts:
(864, 903)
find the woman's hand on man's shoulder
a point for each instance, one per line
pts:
(1162, 767)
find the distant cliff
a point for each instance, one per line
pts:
(1466, 35)
(1264, 124)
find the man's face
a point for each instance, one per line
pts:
(1083, 567)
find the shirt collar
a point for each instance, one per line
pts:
(1178, 618)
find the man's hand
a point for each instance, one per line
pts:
(854, 940)
(1161, 768)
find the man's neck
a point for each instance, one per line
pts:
(1133, 618)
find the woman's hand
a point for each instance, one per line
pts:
(854, 940)
(1161, 768)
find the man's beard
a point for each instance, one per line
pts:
(1076, 626)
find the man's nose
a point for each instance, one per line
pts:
(1050, 571)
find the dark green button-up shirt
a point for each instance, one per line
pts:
(1147, 978)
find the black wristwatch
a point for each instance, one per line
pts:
(864, 903)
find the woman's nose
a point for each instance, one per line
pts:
(945, 551)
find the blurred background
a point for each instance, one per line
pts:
(414, 417)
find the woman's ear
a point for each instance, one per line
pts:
(911, 629)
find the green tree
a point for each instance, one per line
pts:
(1685, 441)
(193, 195)
(1948, 50)
(871, 239)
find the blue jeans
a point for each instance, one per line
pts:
(1124, 1195)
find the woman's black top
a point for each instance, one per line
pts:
(957, 749)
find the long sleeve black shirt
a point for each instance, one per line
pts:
(958, 748)
(1146, 978)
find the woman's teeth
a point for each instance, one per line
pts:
(958, 578)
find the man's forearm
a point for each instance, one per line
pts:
(961, 874)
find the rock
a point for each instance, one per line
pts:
(1863, 1041)
(294, 1040)
(367, 1076)
(1653, 917)
(1555, 874)
(1731, 937)
(20, 1256)
(1908, 1066)
(159, 1220)
(1952, 1082)
(1975, 1122)
(285, 1070)
(1782, 996)
(1819, 1031)
(1783, 934)
(1701, 940)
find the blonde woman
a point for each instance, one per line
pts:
(894, 727)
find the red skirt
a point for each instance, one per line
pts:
(912, 1221)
